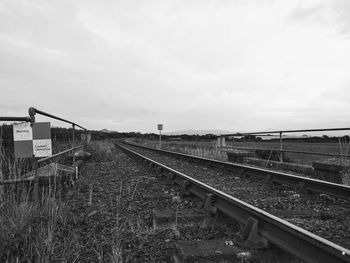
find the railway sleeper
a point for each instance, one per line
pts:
(208, 251)
(250, 236)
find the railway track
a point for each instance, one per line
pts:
(302, 184)
(273, 229)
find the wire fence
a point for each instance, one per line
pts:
(282, 144)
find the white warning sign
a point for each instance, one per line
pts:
(22, 132)
(42, 148)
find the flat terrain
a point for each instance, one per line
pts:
(207, 149)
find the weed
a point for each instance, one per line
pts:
(102, 150)
(344, 161)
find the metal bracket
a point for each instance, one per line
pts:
(208, 204)
(250, 236)
(184, 189)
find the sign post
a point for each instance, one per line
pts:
(73, 126)
(32, 139)
(160, 128)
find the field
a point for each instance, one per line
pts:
(333, 148)
(208, 149)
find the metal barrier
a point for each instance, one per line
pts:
(32, 112)
(281, 150)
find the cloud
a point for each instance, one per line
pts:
(333, 15)
(127, 65)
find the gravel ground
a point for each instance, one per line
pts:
(325, 216)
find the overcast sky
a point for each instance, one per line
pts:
(128, 65)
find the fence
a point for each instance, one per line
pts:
(281, 150)
(37, 162)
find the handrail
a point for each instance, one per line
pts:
(42, 160)
(59, 154)
(26, 119)
(34, 110)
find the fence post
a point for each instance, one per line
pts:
(86, 140)
(35, 161)
(73, 143)
(1, 174)
(281, 148)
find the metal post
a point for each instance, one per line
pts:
(160, 139)
(86, 139)
(281, 148)
(1, 174)
(35, 161)
(36, 180)
(73, 143)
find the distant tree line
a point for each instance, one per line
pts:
(323, 138)
(65, 134)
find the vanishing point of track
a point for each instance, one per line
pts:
(279, 232)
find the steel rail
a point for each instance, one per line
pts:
(286, 131)
(279, 232)
(303, 183)
(290, 151)
(54, 117)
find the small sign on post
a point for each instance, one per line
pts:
(160, 128)
(32, 140)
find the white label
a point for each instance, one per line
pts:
(22, 132)
(42, 148)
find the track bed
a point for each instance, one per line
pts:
(325, 216)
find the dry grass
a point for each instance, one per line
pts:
(344, 162)
(28, 229)
(101, 150)
(201, 149)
